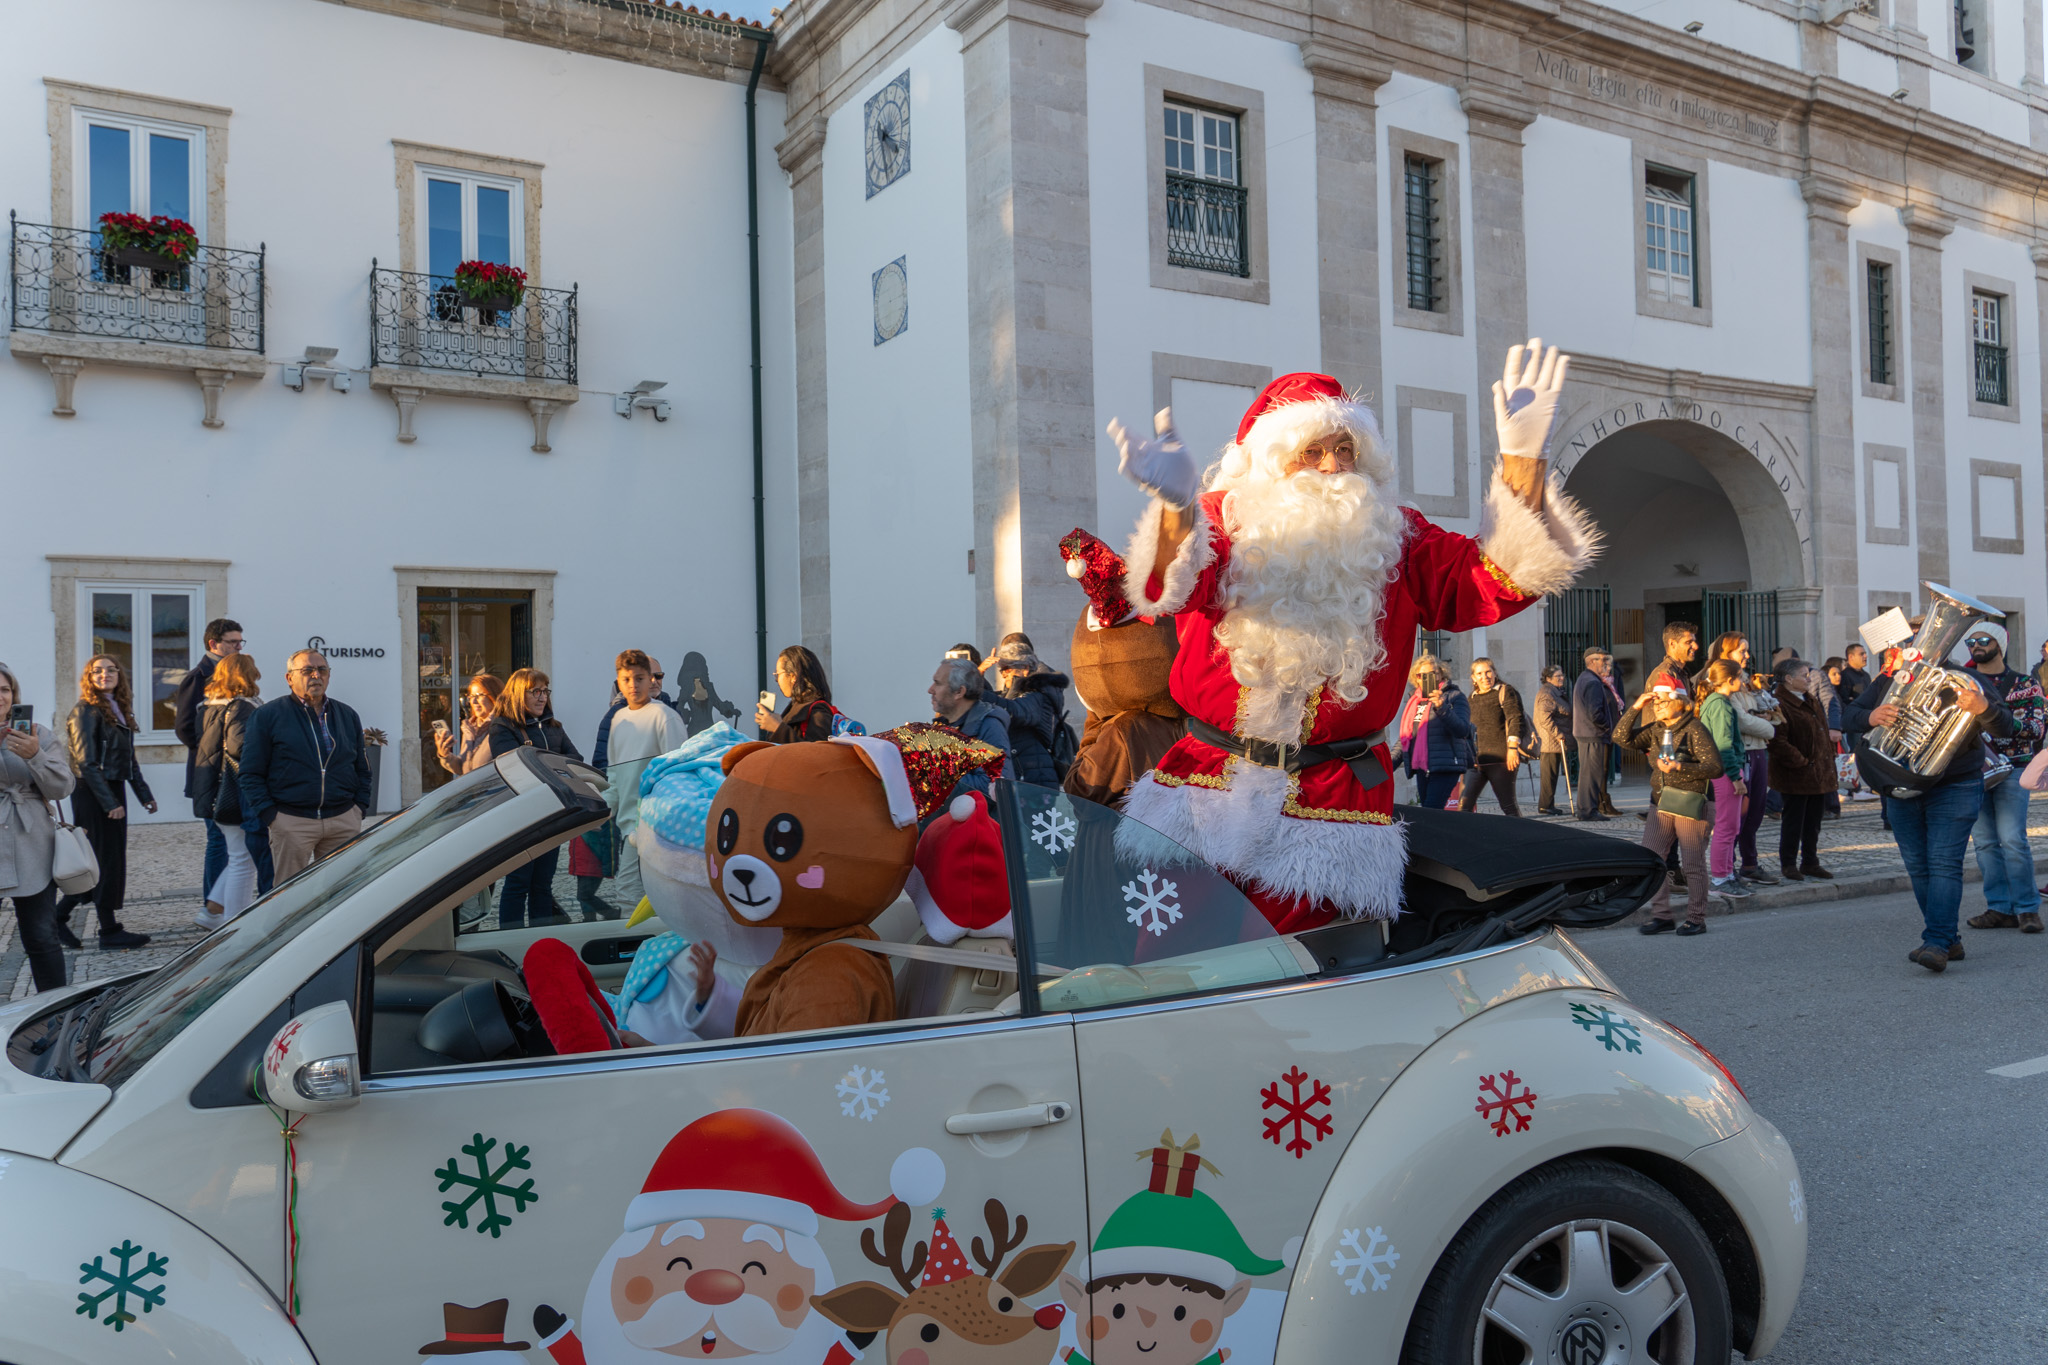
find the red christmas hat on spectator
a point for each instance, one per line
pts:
(1288, 388)
(1101, 571)
(959, 885)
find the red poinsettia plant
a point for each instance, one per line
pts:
(487, 280)
(171, 237)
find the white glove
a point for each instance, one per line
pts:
(1161, 466)
(1525, 400)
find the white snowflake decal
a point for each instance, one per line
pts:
(5, 1162)
(862, 1094)
(1798, 1203)
(1155, 908)
(1355, 1262)
(1053, 831)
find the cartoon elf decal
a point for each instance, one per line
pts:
(1167, 1269)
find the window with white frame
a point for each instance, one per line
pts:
(152, 631)
(1201, 142)
(1668, 236)
(1987, 338)
(465, 216)
(140, 165)
(1205, 196)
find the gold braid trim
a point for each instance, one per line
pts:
(1220, 781)
(1293, 807)
(1500, 577)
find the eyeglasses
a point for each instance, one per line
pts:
(1980, 640)
(539, 692)
(657, 677)
(323, 670)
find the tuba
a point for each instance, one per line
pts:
(1909, 756)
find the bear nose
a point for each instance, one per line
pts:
(714, 1286)
(1050, 1316)
(744, 877)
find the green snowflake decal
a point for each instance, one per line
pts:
(1613, 1031)
(121, 1284)
(487, 1184)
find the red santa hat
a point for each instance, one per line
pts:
(944, 1263)
(920, 764)
(1101, 572)
(1296, 408)
(959, 884)
(752, 1165)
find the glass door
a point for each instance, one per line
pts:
(464, 632)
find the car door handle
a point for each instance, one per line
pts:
(1009, 1120)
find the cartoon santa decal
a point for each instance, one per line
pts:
(1297, 584)
(720, 1254)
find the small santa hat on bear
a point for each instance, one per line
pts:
(1101, 573)
(752, 1165)
(959, 884)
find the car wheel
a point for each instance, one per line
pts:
(1585, 1262)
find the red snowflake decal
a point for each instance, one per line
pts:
(1296, 1112)
(277, 1048)
(1507, 1102)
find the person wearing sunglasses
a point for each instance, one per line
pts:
(305, 773)
(2011, 899)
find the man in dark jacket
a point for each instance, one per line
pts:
(1933, 828)
(223, 637)
(1498, 724)
(1554, 741)
(1035, 694)
(305, 774)
(959, 703)
(1595, 709)
(1681, 647)
(2011, 900)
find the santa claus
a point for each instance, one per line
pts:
(720, 1255)
(1297, 584)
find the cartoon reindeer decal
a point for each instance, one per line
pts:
(953, 1316)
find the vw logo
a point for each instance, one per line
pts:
(1583, 1344)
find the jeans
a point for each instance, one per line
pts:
(1758, 780)
(1662, 829)
(259, 853)
(216, 858)
(1592, 794)
(529, 889)
(2002, 853)
(37, 916)
(1432, 789)
(1497, 776)
(236, 886)
(1932, 831)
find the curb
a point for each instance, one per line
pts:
(1784, 897)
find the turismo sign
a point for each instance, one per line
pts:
(318, 643)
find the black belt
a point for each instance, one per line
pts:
(1355, 754)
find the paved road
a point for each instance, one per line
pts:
(1927, 1178)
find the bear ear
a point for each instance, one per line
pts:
(739, 751)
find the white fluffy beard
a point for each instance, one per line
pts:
(1310, 557)
(674, 1326)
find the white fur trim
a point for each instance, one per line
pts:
(940, 928)
(1189, 1265)
(1244, 830)
(666, 1206)
(1293, 425)
(1543, 553)
(1197, 553)
(895, 779)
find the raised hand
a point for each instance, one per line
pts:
(1161, 466)
(1524, 410)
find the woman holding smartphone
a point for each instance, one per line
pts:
(101, 730)
(34, 771)
(473, 749)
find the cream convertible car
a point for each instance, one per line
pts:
(1188, 1139)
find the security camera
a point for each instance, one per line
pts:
(641, 395)
(316, 366)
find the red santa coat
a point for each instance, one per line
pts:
(1309, 846)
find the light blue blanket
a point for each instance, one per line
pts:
(676, 789)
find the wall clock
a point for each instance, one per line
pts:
(892, 301)
(888, 134)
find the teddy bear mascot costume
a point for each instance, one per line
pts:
(1297, 585)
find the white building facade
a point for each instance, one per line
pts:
(1794, 252)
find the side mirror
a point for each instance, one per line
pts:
(311, 1065)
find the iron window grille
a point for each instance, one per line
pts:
(1423, 213)
(1879, 282)
(1206, 227)
(1574, 621)
(67, 280)
(421, 321)
(1753, 612)
(1987, 335)
(1668, 236)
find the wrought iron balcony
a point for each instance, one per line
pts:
(422, 322)
(1205, 225)
(1991, 374)
(67, 280)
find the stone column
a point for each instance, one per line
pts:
(1925, 228)
(2039, 251)
(802, 154)
(1799, 623)
(1030, 330)
(1346, 82)
(1834, 516)
(1500, 255)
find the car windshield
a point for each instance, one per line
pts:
(146, 1014)
(1120, 913)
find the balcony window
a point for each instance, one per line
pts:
(1988, 346)
(1205, 195)
(1668, 236)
